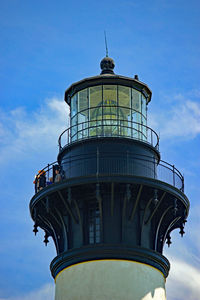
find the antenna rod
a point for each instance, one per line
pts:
(106, 44)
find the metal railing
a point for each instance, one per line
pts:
(108, 128)
(141, 166)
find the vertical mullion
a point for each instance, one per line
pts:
(88, 96)
(117, 109)
(102, 121)
(131, 113)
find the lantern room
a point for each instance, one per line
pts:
(108, 105)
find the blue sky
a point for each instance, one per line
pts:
(46, 46)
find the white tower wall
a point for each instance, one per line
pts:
(110, 279)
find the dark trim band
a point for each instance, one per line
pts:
(98, 252)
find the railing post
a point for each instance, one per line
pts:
(151, 138)
(48, 172)
(97, 160)
(127, 162)
(173, 176)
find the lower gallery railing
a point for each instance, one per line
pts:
(130, 165)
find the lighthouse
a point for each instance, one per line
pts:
(109, 202)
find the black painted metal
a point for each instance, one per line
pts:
(109, 156)
(117, 199)
(126, 210)
(75, 162)
(106, 252)
(107, 79)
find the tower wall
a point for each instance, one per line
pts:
(110, 279)
(109, 156)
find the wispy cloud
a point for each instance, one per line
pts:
(183, 282)
(45, 292)
(180, 120)
(184, 276)
(22, 131)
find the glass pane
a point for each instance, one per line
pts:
(82, 101)
(83, 114)
(110, 127)
(136, 100)
(124, 113)
(82, 126)
(144, 106)
(110, 95)
(136, 121)
(95, 96)
(109, 112)
(144, 121)
(74, 128)
(144, 129)
(74, 105)
(124, 96)
(95, 113)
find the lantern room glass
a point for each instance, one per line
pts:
(108, 110)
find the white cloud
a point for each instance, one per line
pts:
(183, 282)
(22, 131)
(184, 275)
(182, 119)
(44, 293)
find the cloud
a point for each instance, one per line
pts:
(181, 119)
(22, 132)
(183, 282)
(45, 292)
(184, 275)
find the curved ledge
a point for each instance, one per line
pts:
(157, 184)
(98, 252)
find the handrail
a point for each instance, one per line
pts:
(47, 169)
(83, 130)
(171, 177)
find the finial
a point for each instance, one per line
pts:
(107, 65)
(182, 230)
(46, 241)
(169, 242)
(35, 230)
(106, 44)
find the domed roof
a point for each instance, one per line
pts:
(107, 65)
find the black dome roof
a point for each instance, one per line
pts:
(107, 65)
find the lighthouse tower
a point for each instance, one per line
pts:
(109, 203)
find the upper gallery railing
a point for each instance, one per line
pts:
(108, 128)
